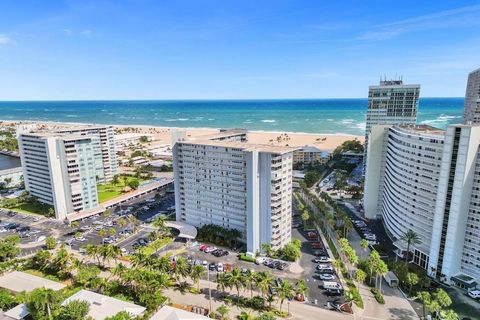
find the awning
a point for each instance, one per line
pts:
(464, 279)
(186, 231)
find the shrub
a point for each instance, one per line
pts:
(378, 296)
(243, 256)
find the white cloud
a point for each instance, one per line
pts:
(86, 33)
(4, 40)
(459, 17)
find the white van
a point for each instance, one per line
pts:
(475, 294)
(332, 285)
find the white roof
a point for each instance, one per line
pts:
(171, 313)
(18, 312)
(186, 230)
(17, 281)
(102, 306)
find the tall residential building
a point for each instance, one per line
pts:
(427, 180)
(103, 138)
(390, 103)
(235, 185)
(455, 246)
(60, 170)
(471, 112)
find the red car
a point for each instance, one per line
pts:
(203, 247)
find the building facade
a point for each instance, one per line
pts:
(389, 103)
(103, 139)
(59, 170)
(471, 112)
(310, 155)
(235, 185)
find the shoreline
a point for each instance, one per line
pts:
(326, 141)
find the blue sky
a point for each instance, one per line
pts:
(206, 49)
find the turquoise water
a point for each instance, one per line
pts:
(327, 116)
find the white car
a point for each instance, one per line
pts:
(475, 294)
(98, 228)
(81, 239)
(260, 260)
(324, 267)
(326, 276)
(210, 249)
(220, 267)
(322, 259)
(85, 228)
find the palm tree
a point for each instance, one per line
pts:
(410, 237)
(263, 282)
(197, 273)
(222, 282)
(92, 251)
(132, 220)
(267, 248)
(237, 280)
(250, 277)
(364, 246)
(74, 224)
(42, 302)
(301, 289)
(182, 269)
(284, 291)
(223, 312)
(122, 222)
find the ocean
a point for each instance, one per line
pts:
(325, 116)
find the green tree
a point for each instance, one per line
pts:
(7, 300)
(443, 298)
(411, 279)
(86, 274)
(266, 316)
(284, 291)
(267, 248)
(182, 269)
(134, 184)
(50, 243)
(43, 303)
(301, 288)
(9, 247)
(74, 310)
(360, 276)
(364, 246)
(263, 281)
(115, 180)
(426, 299)
(223, 312)
(198, 271)
(236, 280)
(305, 216)
(122, 315)
(410, 237)
(74, 224)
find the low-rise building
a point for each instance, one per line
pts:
(172, 313)
(310, 155)
(17, 281)
(131, 139)
(102, 306)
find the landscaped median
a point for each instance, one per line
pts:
(156, 245)
(29, 205)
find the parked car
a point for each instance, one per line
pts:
(212, 266)
(326, 276)
(220, 267)
(210, 249)
(324, 267)
(260, 260)
(334, 292)
(475, 294)
(81, 239)
(322, 259)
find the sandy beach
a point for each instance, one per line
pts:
(163, 134)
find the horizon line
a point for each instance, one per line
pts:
(204, 99)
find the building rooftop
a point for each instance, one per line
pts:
(171, 313)
(422, 128)
(310, 149)
(63, 136)
(224, 133)
(82, 127)
(17, 281)
(243, 145)
(102, 306)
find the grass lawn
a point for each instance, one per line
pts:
(109, 191)
(29, 208)
(156, 245)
